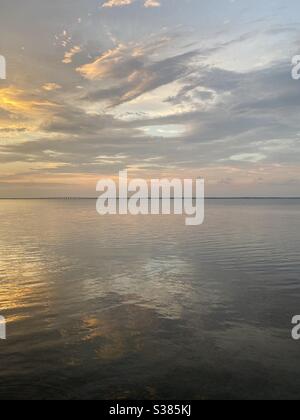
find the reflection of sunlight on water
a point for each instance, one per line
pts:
(21, 283)
(25, 277)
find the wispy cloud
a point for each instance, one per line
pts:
(120, 3)
(134, 70)
(68, 58)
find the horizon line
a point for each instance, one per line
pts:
(160, 198)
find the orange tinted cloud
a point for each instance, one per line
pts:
(17, 101)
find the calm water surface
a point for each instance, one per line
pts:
(145, 307)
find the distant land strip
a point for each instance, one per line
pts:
(149, 198)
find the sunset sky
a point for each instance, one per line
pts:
(188, 88)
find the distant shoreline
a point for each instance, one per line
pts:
(173, 198)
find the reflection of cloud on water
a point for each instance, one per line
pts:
(159, 284)
(115, 333)
(105, 331)
(135, 305)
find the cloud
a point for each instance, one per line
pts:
(68, 58)
(133, 70)
(152, 3)
(120, 3)
(117, 3)
(49, 87)
(20, 109)
(248, 157)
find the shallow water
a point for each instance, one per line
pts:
(145, 307)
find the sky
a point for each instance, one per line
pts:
(162, 88)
